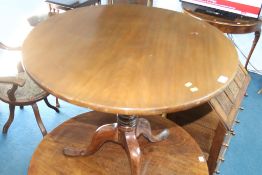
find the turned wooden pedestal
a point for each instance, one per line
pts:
(178, 154)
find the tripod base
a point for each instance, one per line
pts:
(125, 132)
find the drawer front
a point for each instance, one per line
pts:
(227, 103)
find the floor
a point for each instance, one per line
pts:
(244, 153)
(17, 147)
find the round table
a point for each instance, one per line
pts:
(172, 156)
(132, 61)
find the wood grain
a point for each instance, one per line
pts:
(179, 154)
(129, 59)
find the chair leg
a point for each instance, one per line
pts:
(38, 119)
(10, 119)
(51, 106)
(57, 103)
(21, 107)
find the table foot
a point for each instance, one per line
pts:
(103, 134)
(125, 132)
(144, 128)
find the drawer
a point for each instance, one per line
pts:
(227, 103)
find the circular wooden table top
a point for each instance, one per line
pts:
(179, 154)
(129, 59)
(236, 26)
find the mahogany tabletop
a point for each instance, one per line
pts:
(179, 154)
(129, 59)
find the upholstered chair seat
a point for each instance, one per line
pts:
(30, 91)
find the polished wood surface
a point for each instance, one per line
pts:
(129, 59)
(177, 155)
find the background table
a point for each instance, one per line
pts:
(180, 154)
(236, 26)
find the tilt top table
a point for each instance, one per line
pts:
(131, 61)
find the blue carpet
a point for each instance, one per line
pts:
(17, 147)
(242, 158)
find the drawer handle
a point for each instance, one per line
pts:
(232, 132)
(222, 159)
(225, 145)
(237, 121)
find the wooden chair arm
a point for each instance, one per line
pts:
(13, 80)
(3, 46)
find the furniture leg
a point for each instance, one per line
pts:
(130, 143)
(38, 119)
(50, 106)
(10, 119)
(103, 134)
(50, 7)
(144, 128)
(164, 115)
(257, 36)
(21, 107)
(20, 67)
(125, 132)
(57, 103)
(149, 3)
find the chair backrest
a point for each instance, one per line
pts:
(10, 57)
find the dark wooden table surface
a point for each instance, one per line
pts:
(180, 154)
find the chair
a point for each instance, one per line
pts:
(20, 90)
